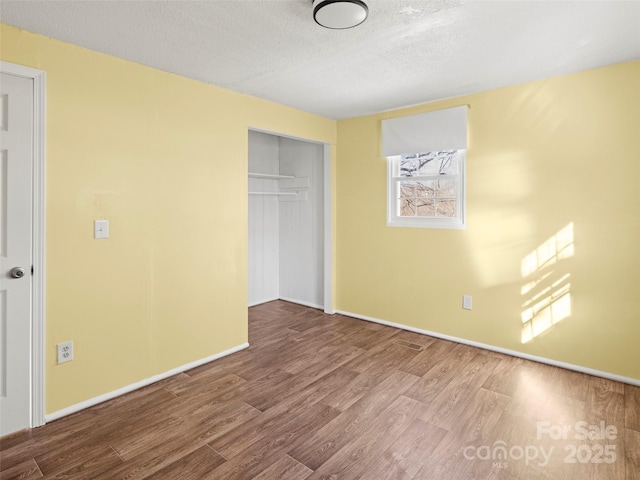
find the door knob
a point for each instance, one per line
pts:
(17, 272)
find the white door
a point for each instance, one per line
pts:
(16, 163)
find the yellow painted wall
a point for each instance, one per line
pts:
(557, 155)
(164, 158)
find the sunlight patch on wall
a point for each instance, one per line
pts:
(547, 291)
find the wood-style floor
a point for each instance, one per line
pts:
(318, 396)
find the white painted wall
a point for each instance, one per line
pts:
(286, 234)
(302, 226)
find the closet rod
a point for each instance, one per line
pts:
(269, 175)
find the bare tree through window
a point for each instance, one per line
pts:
(434, 185)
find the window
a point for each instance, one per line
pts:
(427, 189)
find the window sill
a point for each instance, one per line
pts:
(419, 223)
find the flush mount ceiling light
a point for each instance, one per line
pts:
(339, 14)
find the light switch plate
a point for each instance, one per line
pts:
(466, 302)
(101, 229)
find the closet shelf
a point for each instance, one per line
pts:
(273, 193)
(269, 175)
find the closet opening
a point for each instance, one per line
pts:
(289, 220)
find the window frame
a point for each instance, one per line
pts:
(395, 220)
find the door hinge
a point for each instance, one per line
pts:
(31, 269)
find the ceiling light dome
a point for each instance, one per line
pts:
(339, 14)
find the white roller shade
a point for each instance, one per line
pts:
(426, 132)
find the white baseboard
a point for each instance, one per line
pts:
(260, 302)
(142, 383)
(300, 302)
(513, 353)
(290, 300)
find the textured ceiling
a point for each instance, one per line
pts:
(407, 52)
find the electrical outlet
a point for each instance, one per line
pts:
(65, 352)
(466, 302)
